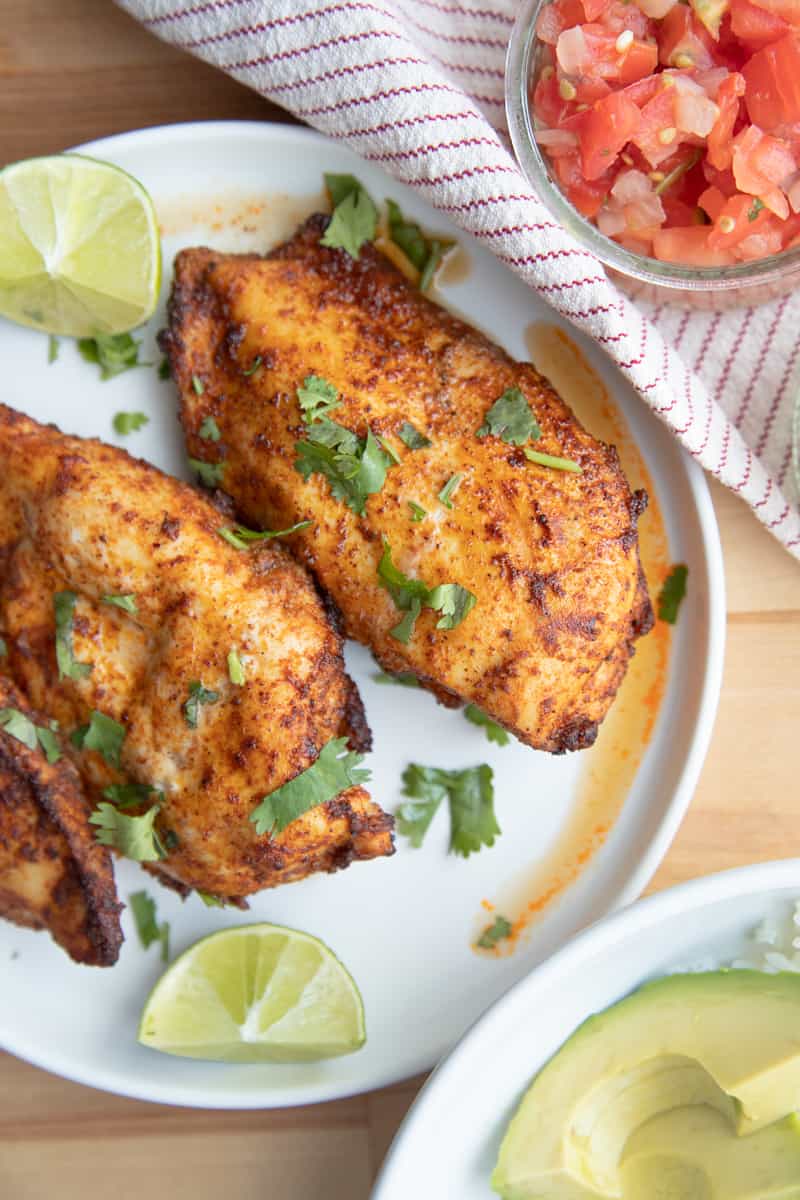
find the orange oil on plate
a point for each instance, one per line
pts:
(270, 219)
(610, 766)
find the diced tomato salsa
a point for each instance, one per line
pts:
(674, 125)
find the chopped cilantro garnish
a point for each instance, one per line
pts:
(449, 490)
(209, 430)
(102, 734)
(754, 209)
(498, 931)
(335, 770)
(550, 460)
(125, 601)
(354, 467)
(129, 422)
(235, 668)
(412, 437)
(392, 454)
(418, 513)
(198, 385)
(511, 419)
(355, 217)
(210, 474)
(470, 796)
(129, 795)
(672, 593)
(68, 666)
(256, 363)
(494, 732)
(23, 729)
(242, 539)
(135, 837)
(197, 695)
(209, 900)
(423, 252)
(163, 369)
(452, 600)
(53, 347)
(317, 398)
(143, 908)
(113, 353)
(402, 679)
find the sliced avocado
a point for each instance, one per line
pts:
(729, 1040)
(693, 1154)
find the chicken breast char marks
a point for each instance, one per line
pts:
(551, 557)
(94, 521)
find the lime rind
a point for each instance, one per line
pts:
(255, 993)
(80, 252)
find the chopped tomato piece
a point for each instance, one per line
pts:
(556, 17)
(720, 139)
(594, 9)
(548, 104)
(609, 125)
(683, 41)
(690, 246)
(786, 9)
(760, 161)
(658, 136)
(741, 216)
(592, 53)
(712, 201)
(678, 212)
(638, 61)
(586, 195)
(754, 25)
(773, 83)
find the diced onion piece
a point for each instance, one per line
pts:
(557, 141)
(572, 51)
(655, 8)
(776, 202)
(611, 222)
(695, 113)
(758, 245)
(793, 194)
(711, 80)
(647, 213)
(631, 186)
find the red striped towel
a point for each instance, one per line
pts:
(417, 86)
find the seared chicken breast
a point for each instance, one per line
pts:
(216, 672)
(549, 556)
(54, 875)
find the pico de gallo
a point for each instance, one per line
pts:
(673, 126)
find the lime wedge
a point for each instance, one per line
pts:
(80, 253)
(255, 993)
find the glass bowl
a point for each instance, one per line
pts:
(717, 288)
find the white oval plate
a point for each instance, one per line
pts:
(403, 926)
(448, 1143)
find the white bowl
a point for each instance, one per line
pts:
(448, 1143)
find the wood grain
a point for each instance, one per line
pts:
(71, 70)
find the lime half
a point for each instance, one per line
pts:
(80, 253)
(256, 993)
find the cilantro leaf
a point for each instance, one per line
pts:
(452, 600)
(511, 419)
(418, 513)
(449, 490)
(412, 437)
(129, 795)
(423, 252)
(198, 385)
(129, 422)
(210, 474)
(392, 454)
(235, 668)
(402, 679)
(241, 538)
(335, 770)
(755, 208)
(470, 797)
(197, 695)
(355, 217)
(53, 347)
(126, 601)
(551, 460)
(494, 732)
(22, 728)
(209, 900)
(354, 467)
(317, 398)
(102, 734)
(143, 908)
(256, 363)
(672, 593)
(112, 352)
(494, 933)
(163, 369)
(135, 837)
(68, 666)
(209, 430)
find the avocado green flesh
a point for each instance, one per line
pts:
(693, 1154)
(726, 1041)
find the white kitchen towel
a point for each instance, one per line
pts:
(417, 86)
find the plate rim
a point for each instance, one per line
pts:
(663, 833)
(608, 933)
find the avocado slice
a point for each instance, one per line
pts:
(693, 1154)
(728, 1040)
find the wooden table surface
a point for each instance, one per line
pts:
(71, 70)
